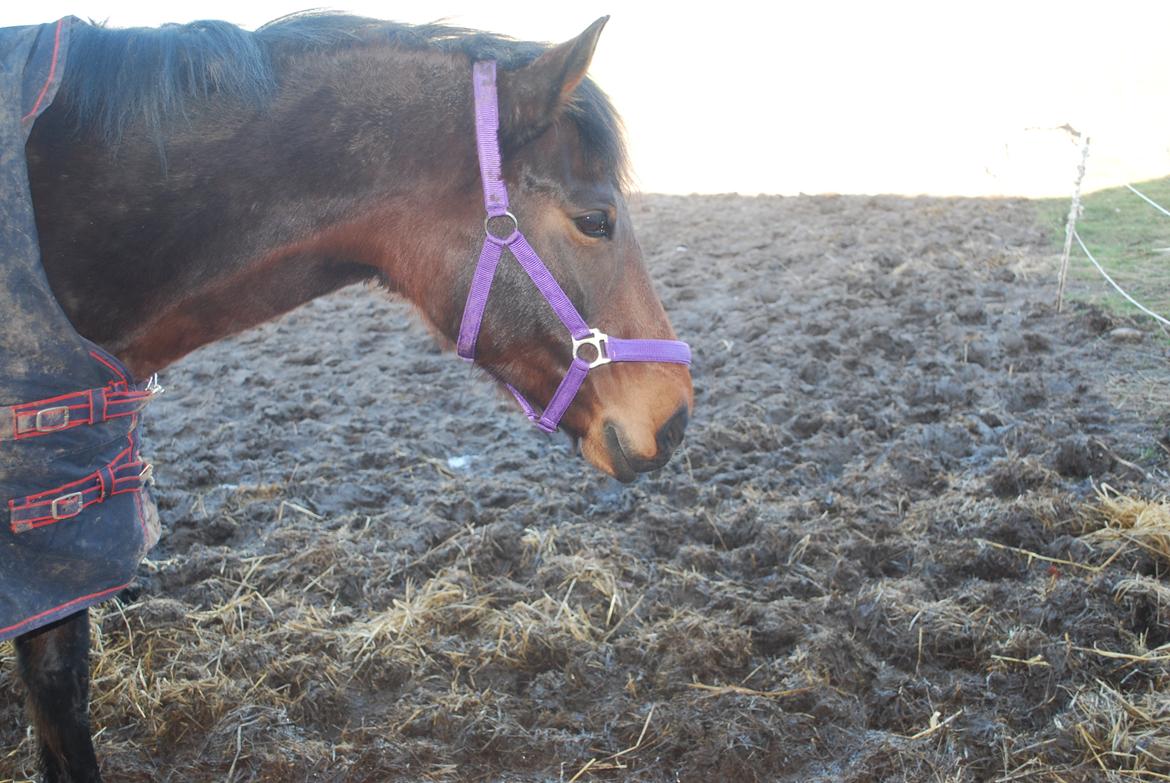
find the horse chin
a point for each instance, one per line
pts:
(603, 451)
(605, 448)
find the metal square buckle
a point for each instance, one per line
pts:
(599, 341)
(46, 422)
(66, 506)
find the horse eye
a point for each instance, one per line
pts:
(594, 224)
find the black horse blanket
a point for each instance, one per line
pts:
(76, 516)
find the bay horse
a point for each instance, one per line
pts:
(193, 181)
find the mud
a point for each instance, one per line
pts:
(866, 563)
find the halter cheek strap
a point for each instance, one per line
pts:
(495, 198)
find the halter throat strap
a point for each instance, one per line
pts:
(495, 198)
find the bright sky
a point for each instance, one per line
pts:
(850, 97)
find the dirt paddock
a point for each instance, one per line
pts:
(880, 554)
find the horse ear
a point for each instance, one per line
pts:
(532, 96)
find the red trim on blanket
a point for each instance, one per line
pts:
(92, 598)
(48, 81)
(121, 375)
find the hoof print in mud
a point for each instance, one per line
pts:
(1082, 457)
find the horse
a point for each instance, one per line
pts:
(192, 181)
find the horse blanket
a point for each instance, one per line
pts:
(76, 516)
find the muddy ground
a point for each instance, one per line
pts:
(872, 560)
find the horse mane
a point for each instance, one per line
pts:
(115, 78)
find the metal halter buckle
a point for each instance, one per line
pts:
(43, 425)
(73, 499)
(599, 340)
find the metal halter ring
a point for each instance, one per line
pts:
(599, 340)
(504, 239)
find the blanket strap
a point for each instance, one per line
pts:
(76, 409)
(127, 472)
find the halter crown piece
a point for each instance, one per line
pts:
(495, 199)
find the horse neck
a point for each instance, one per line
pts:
(247, 214)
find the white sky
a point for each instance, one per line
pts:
(851, 97)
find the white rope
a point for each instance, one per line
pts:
(1149, 201)
(1105, 274)
(1074, 212)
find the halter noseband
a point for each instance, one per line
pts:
(495, 199)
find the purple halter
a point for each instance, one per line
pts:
(495, 198)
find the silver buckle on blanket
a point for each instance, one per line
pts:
(599, 340)
(66, 506)
(52, 419)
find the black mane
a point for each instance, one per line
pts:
(117, 77)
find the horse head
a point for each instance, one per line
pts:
(563, 169)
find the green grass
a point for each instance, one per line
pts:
(1127, 236)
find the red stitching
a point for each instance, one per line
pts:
(118, 485)
(52, 72)
(39, 498)
(121, 375)
(41, 403)
(93, 596)
(26, 410)
(35, 433)
(25, 525)
(140, 508)
(35, 499)
(133, 484)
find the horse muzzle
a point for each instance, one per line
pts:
(624, 461)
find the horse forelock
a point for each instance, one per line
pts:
(116, 78)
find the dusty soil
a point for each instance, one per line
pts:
(872, 560)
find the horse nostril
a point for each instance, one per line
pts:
(671, 433)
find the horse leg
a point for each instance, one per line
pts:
(54, 664)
